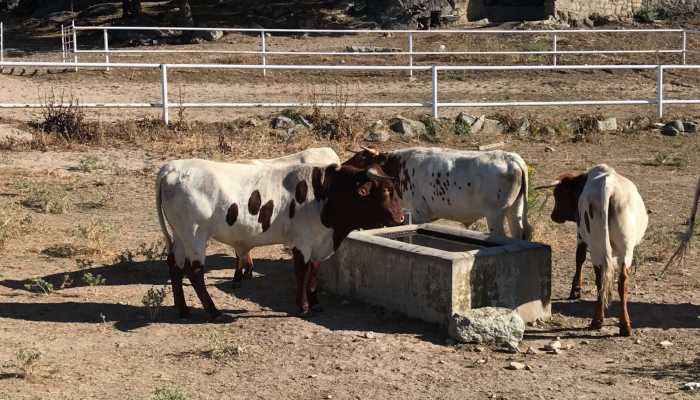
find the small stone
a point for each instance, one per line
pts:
(691, 386)
(549, 149)
(569, 346)
(531, 351)
(528, 368)
(666, 344)
(690, 127)
(585, 342)
(251, 122)
(441, 362)
(516, 366)
(637, 341)
(610, 361)
(369, 335)
(479, 349)
(488, 325)
(481, 361)
(553, 345)
(282, 122)
(313, 376)
(307, 336)
(606, 125)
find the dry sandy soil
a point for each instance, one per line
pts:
(97, 342)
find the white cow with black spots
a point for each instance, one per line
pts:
(458, 185)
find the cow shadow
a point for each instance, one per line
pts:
(643, 315)
(274, 288)
(152, 272)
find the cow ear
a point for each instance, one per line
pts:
(364, 189)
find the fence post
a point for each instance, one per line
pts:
(435, 91)
(410, 53)
(63, 44)
(75, 45)
(2, 42)
(164, 92)
(685, 45)
(106, 48)
(264, 49)
(554, 47)
(660, 91)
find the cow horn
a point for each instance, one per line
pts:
(371, 150)
(373, 173)
(549, 186)
(352, 150)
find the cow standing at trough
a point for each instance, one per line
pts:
(310, 208)
(316, 155)
(611, 220)
(458, 185)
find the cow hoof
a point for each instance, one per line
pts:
(305, 313)
(575, 294)
(248, 275)
(237, 278)
(595, 325)
(219, 318)
(625, 330)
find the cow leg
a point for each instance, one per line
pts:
(599, 310)
(302, 271)
(495, 223)
(176, 282)
(195, 273)
(581, 250)
(312, 294)
(625, 324)
(248, 270)
(238, 274)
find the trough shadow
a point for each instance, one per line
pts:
(274, 288)
(123, 317)
(153, 272)
(679, 371)
(643, 315)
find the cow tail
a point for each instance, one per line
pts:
(159, 209)
(522, 199)
(608, 267)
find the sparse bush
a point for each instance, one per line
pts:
(25, 361)
(666, 159)
(462, 128)
(66, 118)
(153, 301)
(94, 233)
(168, 393)
(222, 350)
(39, 285)
(148, 251)
(88, 164)
(585, 128)
(46, 198)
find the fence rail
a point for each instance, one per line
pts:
(433, 102)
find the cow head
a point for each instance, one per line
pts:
(367, 157)
(567, 190)
(359, 198)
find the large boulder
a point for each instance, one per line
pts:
(488, 325)
(407, 128)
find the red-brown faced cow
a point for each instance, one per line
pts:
(611, 220)
(309, 207)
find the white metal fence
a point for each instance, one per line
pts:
(431, 101)
(408, 53)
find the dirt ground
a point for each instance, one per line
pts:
(74, 209)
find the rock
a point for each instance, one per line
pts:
(637, 341)
(478, 124)
(380, 136)
(690, 127)
(369, 335)
(488, 325)
(524, 127)
(528, 368)
(531, 351)
(407, 127)
(516, 366)
(585, 342)
(606, 125)
(691, 386)
(467, 119)
(483, 21)
(479, 349)
(669, 131)
(677, 124)
(548, 149)
(282, 122)
(371, 49)
(588, 22)
(665, 344)
(493, 127)
(252, 122)
(553, 345)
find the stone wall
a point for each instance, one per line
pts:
(576, 9)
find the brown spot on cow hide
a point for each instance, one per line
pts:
(301, 191)
(254, 202)
(588, 222)
(232, 214)
(291, 209)
(266, 215)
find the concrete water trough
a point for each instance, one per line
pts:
(432, 271)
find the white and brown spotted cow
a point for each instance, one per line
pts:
(458, 185)
(314, 155)
(611, 220)
(309, 207)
